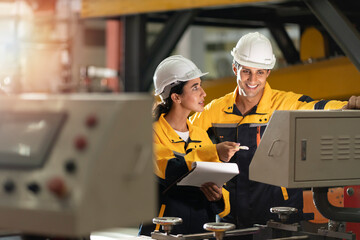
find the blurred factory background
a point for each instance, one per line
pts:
(114, 46)
(57, 46)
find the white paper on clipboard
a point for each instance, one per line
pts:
(203, 172)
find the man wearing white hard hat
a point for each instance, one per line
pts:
(242, 116)
(177, 144)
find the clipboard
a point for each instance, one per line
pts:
(202, 172)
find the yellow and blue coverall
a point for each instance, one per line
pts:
(173, 159)
(251, 201)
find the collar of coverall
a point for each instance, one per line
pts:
(169, 131)
(263, 106)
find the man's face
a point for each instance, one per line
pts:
(253, 81)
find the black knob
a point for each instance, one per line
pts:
(9, 186)
(70, 167)
(34, 187)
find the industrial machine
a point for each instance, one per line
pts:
(73, 164)
(299, 149)
(312, 149)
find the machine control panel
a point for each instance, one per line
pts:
(65, 162)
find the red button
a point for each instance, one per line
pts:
(91, 121)
(57, 186)
(80, 143)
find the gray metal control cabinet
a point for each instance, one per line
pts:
(309, 149)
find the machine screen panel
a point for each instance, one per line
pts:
(26, 138)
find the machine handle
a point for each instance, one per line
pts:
(272, 148)
(303, 149)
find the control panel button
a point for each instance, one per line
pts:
(91, 121)
(80, 143)
(57, 186)
(34, 187)
(70, 167)
(9, 186)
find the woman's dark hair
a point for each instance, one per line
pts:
(164, 107)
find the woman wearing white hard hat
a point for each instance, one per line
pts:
(177, 144)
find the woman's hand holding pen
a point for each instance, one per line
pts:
(227, 149)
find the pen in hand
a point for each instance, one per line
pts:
(243, 148)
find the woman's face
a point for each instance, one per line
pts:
(193, 96)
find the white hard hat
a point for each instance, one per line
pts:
(173, 70)
(254, 50)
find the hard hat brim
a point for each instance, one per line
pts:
(256, 65)
(161, 90)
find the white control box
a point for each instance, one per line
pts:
(309, 149)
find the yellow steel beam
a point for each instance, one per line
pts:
(107, 8)
(335, 78)
(329, 79)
